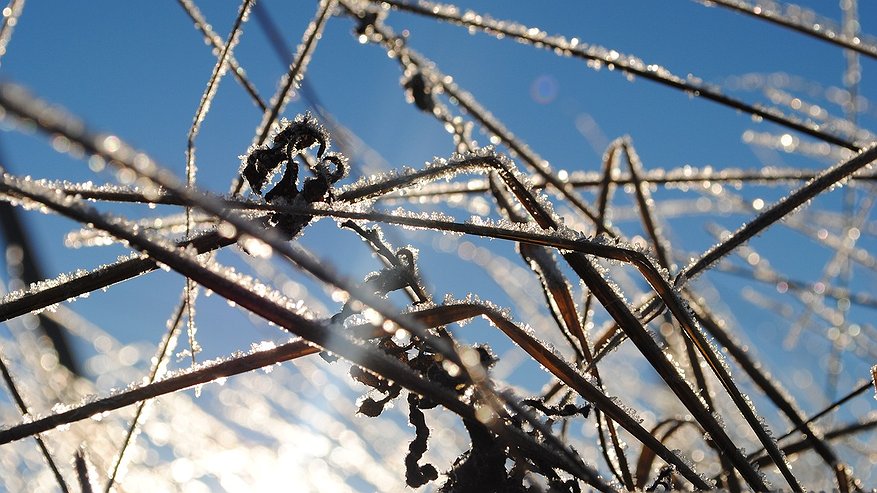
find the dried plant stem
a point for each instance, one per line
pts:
(472, 107)
(219, 70)
(22, 407)
(521, 33)
(446, 314)
(837, 39)
(316, 333)
(865, 386)
(825, 180)
(292, 77)
(806, 444)
(100, 278)
(770, 387)
(689, 176)
(162, 356)
(201, 375)
(211, 37)
(479, 186)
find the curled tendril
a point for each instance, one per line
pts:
(293, 138)
(415, 474)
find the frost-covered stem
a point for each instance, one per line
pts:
(201, 375)
(637, 333)
(475, 185)
(293, 77)
(621, 313)
(772, 278)
(315, 333)
(446, 314)
(100, 278)
(547, 238)
(838, 39)
(22, 407)
(207, 96)
(477, 163)
(558, 296)
(661, 247)
(865, 386)
(18, 104)
(158, 367)
(769, 386)
(606, 187)
(646, 207)
(471, 106)
(824, 181)
(211, 37)
(190, 296)
(11, 14)
(703, 389)
(521, 33)
(659, 244)
(806, 444)
(690, 177)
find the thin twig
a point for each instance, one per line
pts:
(292, 77)
(22, 407)
(825, 180)
(625, 63)
(158, 367)
(820, 31)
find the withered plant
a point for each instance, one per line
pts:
(616, 362)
